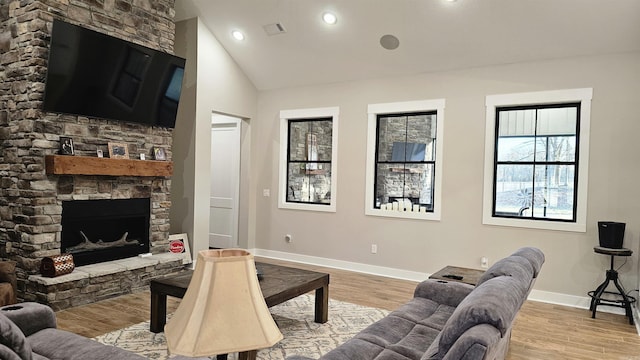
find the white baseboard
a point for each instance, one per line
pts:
(581, 302)
(343, 265)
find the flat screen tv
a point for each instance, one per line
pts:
(97, 75)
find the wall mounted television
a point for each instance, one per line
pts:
(97, 75)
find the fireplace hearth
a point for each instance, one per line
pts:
(95, 231)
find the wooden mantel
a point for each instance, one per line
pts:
(85, 165)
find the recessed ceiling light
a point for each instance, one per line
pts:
(238, 35)
(329, 18)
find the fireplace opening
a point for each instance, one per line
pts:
(95, 231)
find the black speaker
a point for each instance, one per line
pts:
(611, 234)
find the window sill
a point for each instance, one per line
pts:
(432, 216)
(307, 207)
(535, 224)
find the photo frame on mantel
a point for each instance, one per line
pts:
(66, 146)
(118, 150)
(159, 153)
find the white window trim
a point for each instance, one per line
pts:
(374, 110)
(285, 116)
(583, 96)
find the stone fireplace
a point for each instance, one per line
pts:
(34, 200)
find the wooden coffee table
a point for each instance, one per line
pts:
(278, 284)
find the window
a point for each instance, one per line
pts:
(308, 148)
(404, 159)
(536, 161)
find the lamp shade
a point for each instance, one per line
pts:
(223, 310)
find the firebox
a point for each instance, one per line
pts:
(95, 231)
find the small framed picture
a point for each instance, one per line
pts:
(143, 156)
(66, 146)
(159, 154)
(118, 150)
(179, 244)
(99, 153)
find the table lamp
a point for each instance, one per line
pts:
(223, 310)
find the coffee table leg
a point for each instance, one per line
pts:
(322, 304)
(158, 312)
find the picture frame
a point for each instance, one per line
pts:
(179, 244)
(159, 153)
(118, 150)
(99, 153)
(66, 146)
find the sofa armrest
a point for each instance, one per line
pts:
(30, 317)
(480, 342)
(449, 293)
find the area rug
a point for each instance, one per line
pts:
(302, 336)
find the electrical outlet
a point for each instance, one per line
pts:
(288, 238)
(484, 262)
(374, 248)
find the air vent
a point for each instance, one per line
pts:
(274, 29)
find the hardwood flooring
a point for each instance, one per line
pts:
(541, 331)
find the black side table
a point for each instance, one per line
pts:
(602, 297)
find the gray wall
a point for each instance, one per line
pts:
(214, 84)
(460, 238)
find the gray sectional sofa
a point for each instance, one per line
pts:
(28, 332)
(450, 320)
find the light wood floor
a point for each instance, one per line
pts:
(541, 331)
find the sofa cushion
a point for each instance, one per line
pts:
(432, 350)
(12, 337)
(8, 354)
(534, 256)
(403, 334)
(60, 344)
(495, 302)
(443, 292)
(30, 317)
(516, 266)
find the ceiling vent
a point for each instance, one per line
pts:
(274, 29)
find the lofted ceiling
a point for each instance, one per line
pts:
(434, 35)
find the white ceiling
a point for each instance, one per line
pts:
(435, 35)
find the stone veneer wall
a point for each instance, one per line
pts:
(31, 201)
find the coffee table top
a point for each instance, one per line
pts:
(278, 284)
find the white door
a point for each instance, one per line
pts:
(225, 181)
